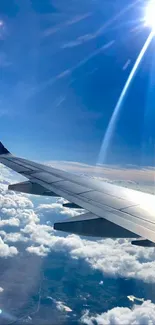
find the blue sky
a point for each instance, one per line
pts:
(63, 66)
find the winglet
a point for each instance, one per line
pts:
(3, 150)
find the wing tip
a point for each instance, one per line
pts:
(3, 150)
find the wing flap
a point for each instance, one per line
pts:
(90, 225)
(143, 242)
(31, 188)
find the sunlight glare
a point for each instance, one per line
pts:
(150, 15)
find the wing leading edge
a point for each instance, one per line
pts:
(113, 211)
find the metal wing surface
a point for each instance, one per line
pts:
(113, 211)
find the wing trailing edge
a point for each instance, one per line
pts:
(31, 188)
(90, 225)
(143, 242)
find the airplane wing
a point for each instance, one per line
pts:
(112, 211)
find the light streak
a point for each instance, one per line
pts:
(115, 115)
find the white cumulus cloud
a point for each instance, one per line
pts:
(38, 250)
(13, 237)
(10, 222)
(115, 258)
(59, 208)
(6, 250)
(138, 315)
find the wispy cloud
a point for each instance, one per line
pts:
(74, 20)
(78, 18)
(79, 41)
(87, 58)
(50, 31)
(127, 63)
(93, 54)
(59, 101)
(130, 176)
(65, 73)
(85, 38)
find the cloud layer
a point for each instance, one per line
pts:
(27, 234)
(138, 315)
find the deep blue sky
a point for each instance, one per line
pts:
(63, 66)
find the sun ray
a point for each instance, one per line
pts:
(112, 123)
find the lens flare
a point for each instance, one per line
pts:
(112, 123)
(150, 15)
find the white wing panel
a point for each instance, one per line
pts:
(99, 198)
(47, 177)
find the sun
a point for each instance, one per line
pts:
(150, 15)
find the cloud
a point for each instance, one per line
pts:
(88, 37)
(13, 237)
(132, 298)
(50, 31)
(101, 282)
(127, 63)
(48, 206)
(27, 216)
(10, 222)
(13, 200)
(63, 74)
(115, 258)
(39, 234)
(16, 208)
(129, 176)
(38, 250)
(92, 55)
(78, 41)
(138, 315)
(118, 258)
(6, 250)
(78, 18)
(67, 72)
(59, 101)
(1, 289)
(62, 307)
(81, 40)
(5, 176)
(59, 208)
(74, 20)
